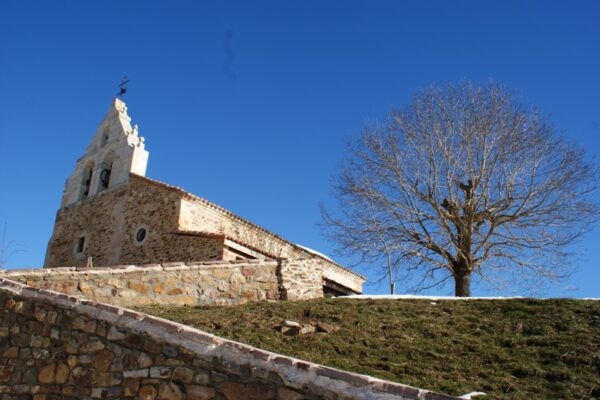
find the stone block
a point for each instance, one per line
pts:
(138, 287)
(136, 373)
(30, 376)
(144, 360)
(160, 372)
(85, 288)
(105, 379)
(246, 391)
(238, 278)
(183, 374)
(61, 373)
(148, 392)
(221, 273)
(202, 378)
(196, 392)
(265, 277)
(107, 292)
(81, 375)
(40, 313)
(38, 354)
(6, 373)
(249, 294)
(47, 374)
(102, 359)
(92, 346)
(189, 277)
(170, 391)
(158, 288)
(306, 329)
(222, 286)
(11, 352)
(325, 327)
(20, 340)
(115, 334)
(131, 387)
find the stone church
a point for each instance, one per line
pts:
(112, 214)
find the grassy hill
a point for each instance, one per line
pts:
(510, 349)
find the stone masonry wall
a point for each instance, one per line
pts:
(218, 283)
(196, 215)
(109, 222)
(54, 346)
(301, 279)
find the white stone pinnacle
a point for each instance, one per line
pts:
(116, 147)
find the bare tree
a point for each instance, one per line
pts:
(466, 180)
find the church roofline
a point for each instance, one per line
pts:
(210, 204)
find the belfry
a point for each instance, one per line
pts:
(115, 151)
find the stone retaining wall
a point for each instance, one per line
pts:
(54, 346)
(212, 282)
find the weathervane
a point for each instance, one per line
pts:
(122, 87)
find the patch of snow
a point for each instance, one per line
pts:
(419, 297)
(471, 395)
(434, 298)
(314, 252)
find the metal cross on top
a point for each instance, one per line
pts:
(123, 87)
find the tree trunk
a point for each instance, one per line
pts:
(462, 283)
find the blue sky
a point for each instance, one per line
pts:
(249, 104)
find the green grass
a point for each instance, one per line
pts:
(510, 349)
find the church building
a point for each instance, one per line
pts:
(112, 214)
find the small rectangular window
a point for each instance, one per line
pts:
(80, 245)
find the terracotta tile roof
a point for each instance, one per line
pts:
(237, 218)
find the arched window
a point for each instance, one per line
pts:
(86, 181)
(105, 133)
(105, 172)
(105, 177)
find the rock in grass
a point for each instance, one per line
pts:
(325, 327)
(306, 329)
(289, 331)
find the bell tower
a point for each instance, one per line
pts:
(115, 151)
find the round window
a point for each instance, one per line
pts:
(140, 235)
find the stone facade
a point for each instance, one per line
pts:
(54, 346)
(109, 221)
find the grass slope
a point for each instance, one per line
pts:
(510, 349)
